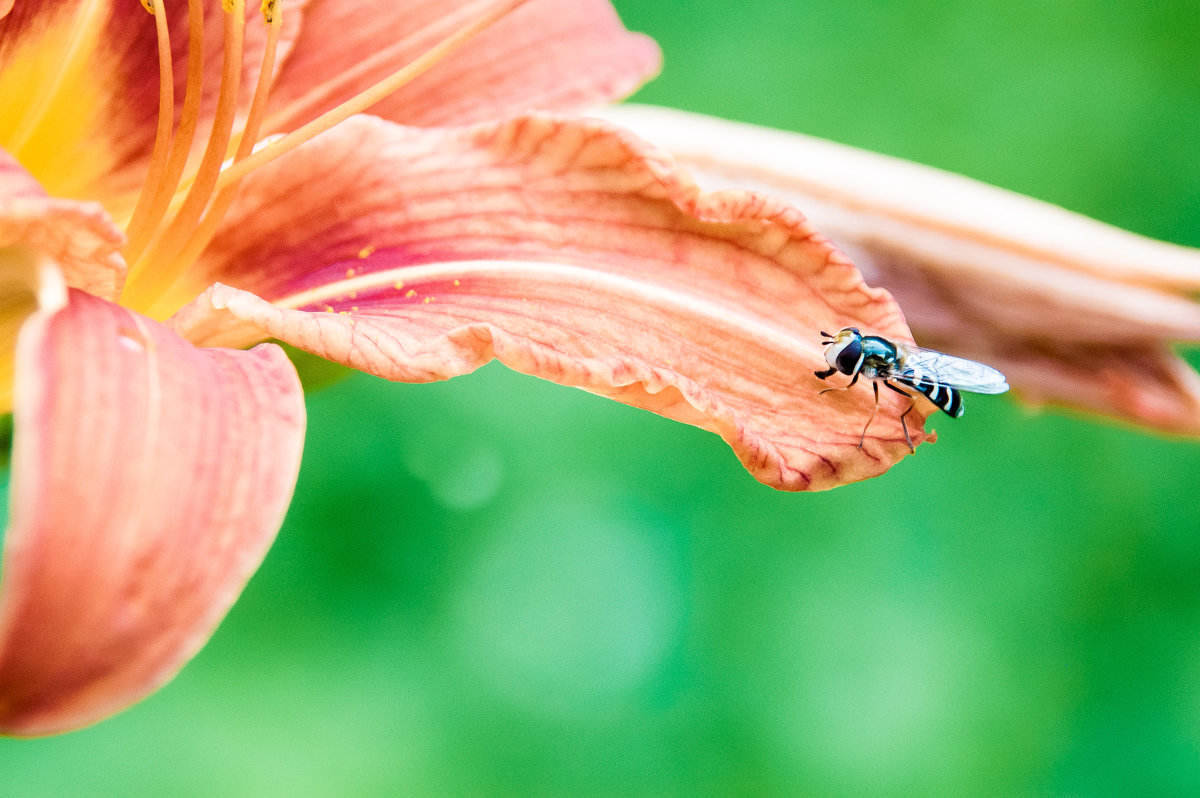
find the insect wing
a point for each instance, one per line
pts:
(955, 372)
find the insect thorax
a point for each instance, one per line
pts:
(880, 357)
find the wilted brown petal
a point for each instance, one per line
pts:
(1076, 312)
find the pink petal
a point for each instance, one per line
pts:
(1075, 312)
(567, 250)
(549, 54)
(149, 479)
(79, 236)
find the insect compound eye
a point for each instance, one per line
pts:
(847, 359)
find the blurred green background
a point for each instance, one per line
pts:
(498, 586)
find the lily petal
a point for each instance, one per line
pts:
(79, 236)
(568, 250)
(47, 244)
(559, 55)
(1076, 312)
(149, 479)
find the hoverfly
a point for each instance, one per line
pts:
(905, 368)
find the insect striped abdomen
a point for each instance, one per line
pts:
(945, 397)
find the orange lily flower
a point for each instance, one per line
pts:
(154, 456)
(1077, 313)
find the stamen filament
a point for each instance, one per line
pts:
(166, 121)
(369, 97)
(196, 211)
(320, 92)
(207, 228)
(163, 249)
(140, 228)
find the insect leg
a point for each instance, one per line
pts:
(903, 416)
(844, 387)
(862, 438)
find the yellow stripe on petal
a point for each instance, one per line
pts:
(54, 86)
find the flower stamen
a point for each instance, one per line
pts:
(168, 241)
(310, 102)
(162, 253)
(207, 228)
(146, 219)
(374, 94)
(163, 135)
